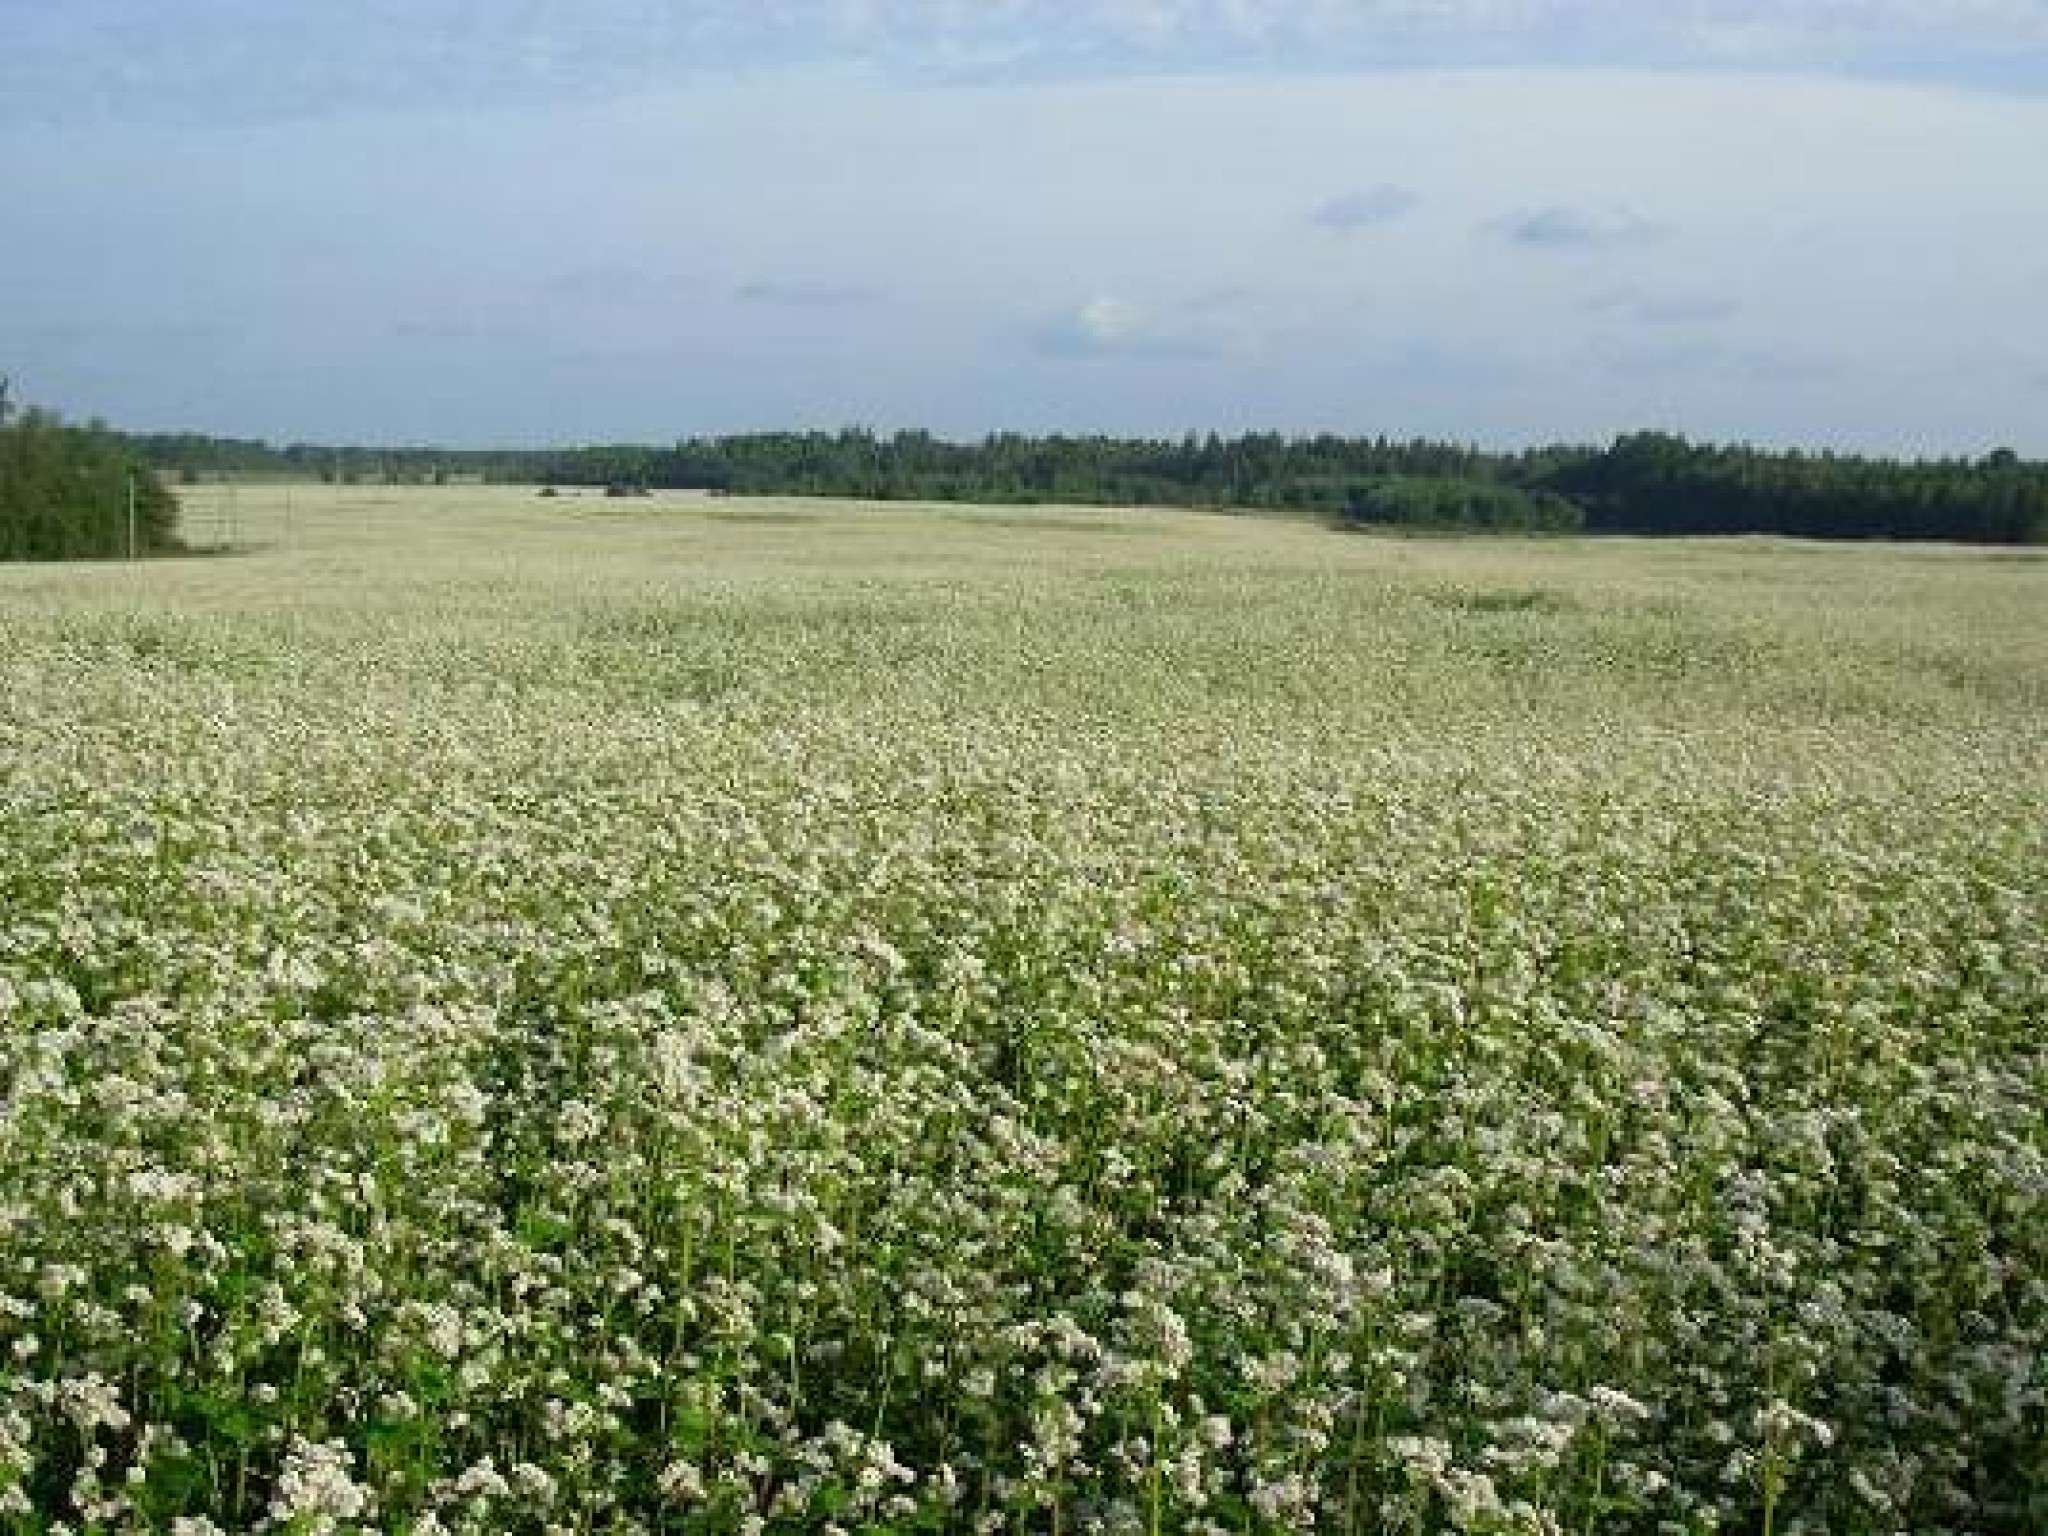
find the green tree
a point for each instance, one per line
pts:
(65, 494)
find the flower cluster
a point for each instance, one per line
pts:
(526, 1024)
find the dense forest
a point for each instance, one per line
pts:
(78, 493)
(1649, 482)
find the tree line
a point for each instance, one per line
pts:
(1642, 483)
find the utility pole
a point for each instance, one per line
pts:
(6, 388)
(131, 515)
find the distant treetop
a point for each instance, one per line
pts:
(1643, 482)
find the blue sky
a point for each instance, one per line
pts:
(1498, 220)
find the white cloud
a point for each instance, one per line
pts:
(1109, 322)
(1107, 326)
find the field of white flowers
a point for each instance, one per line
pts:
(722, 1016)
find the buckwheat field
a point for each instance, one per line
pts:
(721, 1016)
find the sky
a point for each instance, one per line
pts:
(1813, 222)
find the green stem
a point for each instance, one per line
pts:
(1156, 1475)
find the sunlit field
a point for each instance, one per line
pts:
(708, 1015)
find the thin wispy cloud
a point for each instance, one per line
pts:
(1661, 357)
(1563, 228)
(798, 293)
(1636, 307)
(1367, 208)
(447, 329)
(617, 285)
(1783, 365)
(1707, 359)
(241, 59)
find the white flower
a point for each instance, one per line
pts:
(317, 1486)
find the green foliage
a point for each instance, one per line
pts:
(1654, 482)
(1469, 505)
(1645, 483)
(64, 494)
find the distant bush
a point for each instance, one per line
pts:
(64, 494)
(1444, 503)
